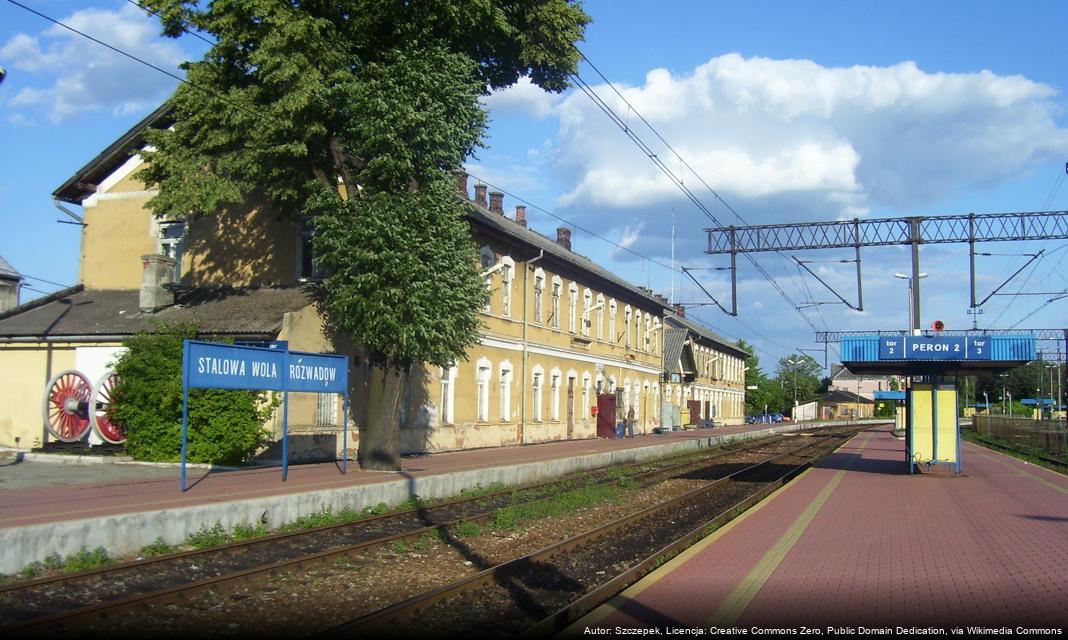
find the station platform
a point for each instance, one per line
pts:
(125, 515)
(857, 546)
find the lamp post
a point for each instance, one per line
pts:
(914, 314)
(794, 364)
(1004, 377)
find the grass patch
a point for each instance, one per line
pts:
(511, 516)
(205, 537)
(467, 529)
(243, 532)
(157, 548)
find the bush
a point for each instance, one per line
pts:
(225, 426)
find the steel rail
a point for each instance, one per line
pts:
(172, 592)
(377, 619)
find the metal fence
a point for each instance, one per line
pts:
(1050, 436)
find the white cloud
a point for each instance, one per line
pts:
(85, 76)
(524, 98)
(840, 140)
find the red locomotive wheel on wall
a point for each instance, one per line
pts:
(66, 406)
(105, 427)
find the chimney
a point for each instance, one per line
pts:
(663, 299)
(496, 202)
(563, 237)
(461, 183)
(680, 310)
(480, 194)
(157, 271)
(521, 215)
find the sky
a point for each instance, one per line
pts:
(768, 112)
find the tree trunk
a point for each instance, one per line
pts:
(380, 438)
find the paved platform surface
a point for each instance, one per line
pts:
(860, 545)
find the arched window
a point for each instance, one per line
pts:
(613, 329)
(600, 316)
(656, 335)
(638, 342)
(506, 391)
(554, 389)
(538, 381)
(448, 394)
(587, 303)
(648, 333)
(626, 325)
(539, 292)
(482, 381)
(507, 275)
(558, 286)
(572, 306)
(586, 400)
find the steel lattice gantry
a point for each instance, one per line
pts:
(912, 230)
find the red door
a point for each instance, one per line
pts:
(606, 415)
(695, 411)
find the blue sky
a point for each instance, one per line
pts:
(791, 111)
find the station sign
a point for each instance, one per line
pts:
(934, 348)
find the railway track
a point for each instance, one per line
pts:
(62, 601)
(540, 593)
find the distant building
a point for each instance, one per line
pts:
(10, 283)
(845, 405)
(704, 374)
(865, 386)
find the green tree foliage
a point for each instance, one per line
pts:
(381, 97)
(225, 426)
(799, 376)
(768, 395)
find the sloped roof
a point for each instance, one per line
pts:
(702, 331)
(7, 272)
(674, 340)
(86, 313)
(505, 225)
(839, 396)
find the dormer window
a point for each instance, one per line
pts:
(172, 242)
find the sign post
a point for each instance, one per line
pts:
(211, 365)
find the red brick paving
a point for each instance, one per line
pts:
(24, 507)
(886, 550)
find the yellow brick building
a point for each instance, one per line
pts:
(561, 335)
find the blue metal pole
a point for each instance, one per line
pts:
(185, 408)
(285, 419)
(345, 436)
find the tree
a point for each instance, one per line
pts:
(768, 394)
(799, 377)
(357, 114)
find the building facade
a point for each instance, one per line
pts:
(704, 374)
(564, 341)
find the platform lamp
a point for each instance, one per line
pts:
(1004, 388)
(909, 278)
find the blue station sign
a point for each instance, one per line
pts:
(934, 348)
(271, 367)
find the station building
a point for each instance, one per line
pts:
(559, 336)
(705, 374)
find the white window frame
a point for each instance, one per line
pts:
(586, 394)
(600, 316)
(626, 325)
(612, 324)
(572, 306)
(446, 411)
(507, 275)
(506, 391)
(557, 291)
(554, 389)
(482, 379)
(539, 292)
(537, 379)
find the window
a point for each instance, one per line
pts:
(448, 375)
(555, 391)
(587, 302)
(482, 390)
(572, 304)
(538, 374)
(507, 274)
(656, 334)
(612, 322)
(586, 395)
(506, 391)
(638, 331)
(539, 291)
(600, 316)
(326, 410)
(558, 286)
(309, 266)
(626, 325)
(171, 243)
(648, 333)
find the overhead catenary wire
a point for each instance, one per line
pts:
(268, 118)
